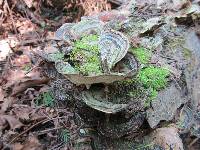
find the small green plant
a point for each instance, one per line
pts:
(85, 55)
(65, 135)
(143, 55)
(187, 53)
(153, 79)
(27, 67)
(88, 43)
(45, 98)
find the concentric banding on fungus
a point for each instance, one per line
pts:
(113, 47)
(87, 26)
(64, 32)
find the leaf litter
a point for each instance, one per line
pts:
(53, 124)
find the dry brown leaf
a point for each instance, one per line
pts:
(31, 144)
(168, 138)
(1, 95)
(38, 114)
(26, 27)
(13, 76)
(23, 82)
(22, 111)
(17, 146)
(11, 120)
(7, 102)
(29, 3)
(26, 112)
(21, 61)
(4, 49)
(2, 124)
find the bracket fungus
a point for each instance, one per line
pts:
(94, 55)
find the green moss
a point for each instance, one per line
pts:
(187, 53)
(145, 85)
(152, 94)
(85, 55)
(88, 43)
(90, 68)
(153, 77)
(126, 82)
(143, 55)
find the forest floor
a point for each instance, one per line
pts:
(30, 119)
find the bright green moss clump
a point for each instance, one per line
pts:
(143, 55)
(86, 56)
(153, 79)
(88, 43)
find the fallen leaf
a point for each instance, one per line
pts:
(22, 111)
(7, 102)
(17, 146)
(19, 84)
(29, 3)
(21, 61)
(32, 143)
(1, 95)
(11, 120)
(168, 138)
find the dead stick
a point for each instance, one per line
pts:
(16, 137)
(42, 121)
(192, 143)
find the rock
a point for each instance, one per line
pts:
(165, 105)
(190, 121)
(192, 71)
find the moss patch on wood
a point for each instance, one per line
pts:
(86, 56)
(153, 79)
(143, 55)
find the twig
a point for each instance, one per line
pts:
(42, 121)
(47, 130)
(193, 142)
(16, 137)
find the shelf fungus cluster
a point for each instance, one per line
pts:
(109, 79)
